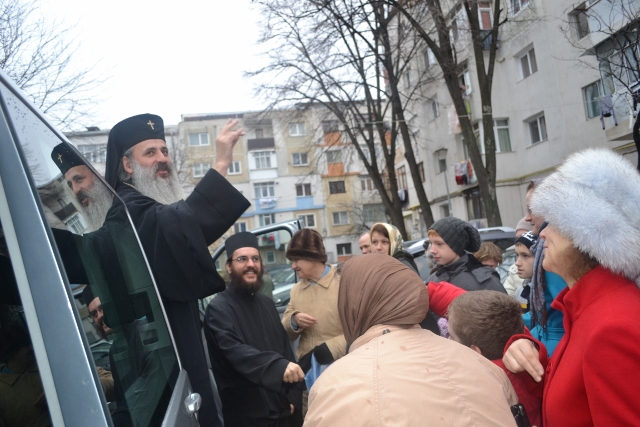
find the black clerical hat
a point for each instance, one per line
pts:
(65, 158)
(125, 135)
(244, 239)
(87, 295)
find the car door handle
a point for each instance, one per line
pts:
(193, 403)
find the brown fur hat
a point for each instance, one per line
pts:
(307, 244)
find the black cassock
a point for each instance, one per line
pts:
(250, 351)
(175, 238)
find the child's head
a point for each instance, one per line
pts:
(450, 238)
(485, 321)
(525, 259)
(489, 254)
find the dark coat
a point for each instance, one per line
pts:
(469, 274)
(250, 351)
(175, 239)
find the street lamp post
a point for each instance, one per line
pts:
(442, 164)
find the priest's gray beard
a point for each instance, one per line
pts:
(162, 190)
(100, 200)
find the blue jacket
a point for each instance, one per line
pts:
(555, 329)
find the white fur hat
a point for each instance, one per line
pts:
(594, 199)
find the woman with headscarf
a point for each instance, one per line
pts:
(394, 369)
(386, 239)
(592, 240)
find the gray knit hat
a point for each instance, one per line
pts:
(458, 234)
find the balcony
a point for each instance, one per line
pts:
(267, 203)
(487, 37)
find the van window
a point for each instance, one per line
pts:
(116, 300)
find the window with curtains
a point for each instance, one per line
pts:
(591, 95)
(501, 134)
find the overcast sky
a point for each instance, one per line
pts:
(167, 58)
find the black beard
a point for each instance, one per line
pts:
(241, 286)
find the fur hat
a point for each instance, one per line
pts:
(307, 244)
(458, 234)
(594, 199)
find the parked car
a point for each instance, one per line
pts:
(44, 246)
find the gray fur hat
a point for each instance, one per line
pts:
(594, 199)
(458, 234)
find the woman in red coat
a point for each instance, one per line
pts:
(592, 206)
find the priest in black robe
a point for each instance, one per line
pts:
(176, 233)
(258, 380)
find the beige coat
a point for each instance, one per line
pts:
(410, 377)
(320, 301)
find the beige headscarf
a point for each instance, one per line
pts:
(395, 238)
(377, 289)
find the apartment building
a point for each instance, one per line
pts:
(548, 92)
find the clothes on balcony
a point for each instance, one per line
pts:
(606, 110)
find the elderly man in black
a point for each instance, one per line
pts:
(175, 233)
(258, 380)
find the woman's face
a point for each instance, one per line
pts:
(557, 250)
(379, 243)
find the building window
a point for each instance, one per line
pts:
(518, 5)
(580, 21)
(421, 171)
(464, 81)
(591, 95)
(303, 190)
(538, 129)
(402, 178)
(475, 207)
(239, 227)
(336, 187)
(200, 169)
(296, 129)
(262, 159)
(75, 224)
(334, 156)
(373, 212)
(340, 218)
(429, 58)
(259, 134)
(484, 15)
(454, 29)
(343, 248)
(435, 108)
(442, 164)
(264, 189)
(444, 210)
(501, 134)
(267, 219)
(407, 79)
(528, 64)
(270, 257)
(330, 126)
(308, 220)
(234, 168)
(367, 183)
(300, 159)
(94, 153)
(198, 139)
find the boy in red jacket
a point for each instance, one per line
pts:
(485, 321)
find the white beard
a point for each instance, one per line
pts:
(162, 190)
(100, 200)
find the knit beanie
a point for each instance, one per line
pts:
(593, 198)
(524, 225)
(306, 244)
(527, 239)
(458, 234)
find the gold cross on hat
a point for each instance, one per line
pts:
(151, 124)
(60, 158)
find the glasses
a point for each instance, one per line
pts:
(245, 259)
(94, 313)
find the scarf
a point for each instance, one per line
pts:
(538, 284)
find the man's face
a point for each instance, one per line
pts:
(96, 313)
(524, 262)
(535, 220)
(151, 153)
(441, 252)
(365, 243)
(245, 269)
(80, 179)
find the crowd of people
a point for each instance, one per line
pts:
(377, 345)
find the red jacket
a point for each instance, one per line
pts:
(441, 295)
(593, 378)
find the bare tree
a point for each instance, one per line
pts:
(341, 55)
(39, 56)
(442, 30)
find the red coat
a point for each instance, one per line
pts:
(441, 295)
(593, 378)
